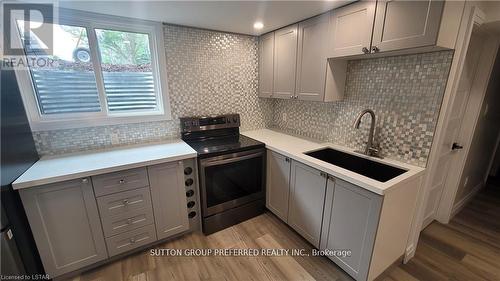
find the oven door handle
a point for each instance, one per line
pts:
(208, 162)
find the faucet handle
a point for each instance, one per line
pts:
(374, 151)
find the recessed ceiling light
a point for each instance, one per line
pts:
(258, 25)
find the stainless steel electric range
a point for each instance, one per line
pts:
(231, 170)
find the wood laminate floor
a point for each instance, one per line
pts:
(466, 249)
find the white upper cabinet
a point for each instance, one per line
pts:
(266, 65)
(312, 58)
(352, 29)
(369, 27)
(406, 24)
(285, 61)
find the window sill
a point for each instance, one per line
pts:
(49, 125)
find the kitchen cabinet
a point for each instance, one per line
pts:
(351, 218)
(313, 67)
(266, 65)
(307, 196)
(285, 62)
(351, 28)
(65, 223)
(278, 184)
(403, 24)
(169, 198)
(78, 223)
(375, 27)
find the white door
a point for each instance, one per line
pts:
(442, 175)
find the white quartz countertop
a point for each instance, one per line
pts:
(294, 148)
(53, 169)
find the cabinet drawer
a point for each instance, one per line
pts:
(130, 240)
(123, 202)
(120, 181)
(124, 222)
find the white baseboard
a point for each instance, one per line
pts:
(409, 253)
(461, 204)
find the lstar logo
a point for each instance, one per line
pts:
(30, 22)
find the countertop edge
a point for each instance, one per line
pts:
(380, 188)
(34, 183)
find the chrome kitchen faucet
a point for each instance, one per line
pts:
(371, 148)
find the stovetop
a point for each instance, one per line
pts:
(222, 145)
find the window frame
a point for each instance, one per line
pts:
(92, 21)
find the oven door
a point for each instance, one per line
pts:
(230, 180)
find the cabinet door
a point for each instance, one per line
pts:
(352, 221)
(307, 197)
(266, 65)
(285, 60)
(278, 184)
(352, 28)
(169, 198)
(406, 24)
(65, 224)
(312, 58)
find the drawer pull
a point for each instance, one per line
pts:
(121, 181)
(132, 240)
(129, 221)
(125, 202)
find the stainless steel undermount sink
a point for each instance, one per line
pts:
(366, 167)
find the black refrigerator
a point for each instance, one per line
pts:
(19, 255)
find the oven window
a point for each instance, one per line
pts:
(227, 182)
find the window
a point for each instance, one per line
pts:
(104, 70)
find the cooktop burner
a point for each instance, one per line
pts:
(224, 144)
(216, 135)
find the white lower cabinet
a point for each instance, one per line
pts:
(350, 221)
(65, 223)
(74, 222)
(328, 212)
(278, 184)
(307, 196)
(169, 198)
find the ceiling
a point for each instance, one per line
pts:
(229, 16)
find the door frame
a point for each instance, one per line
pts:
(471, 15)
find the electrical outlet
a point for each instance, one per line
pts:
(114, 139)
(284, 116)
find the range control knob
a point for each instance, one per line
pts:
(235, 119)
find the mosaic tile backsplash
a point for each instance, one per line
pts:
(404, 91)
(215, 73)
(208, 73)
